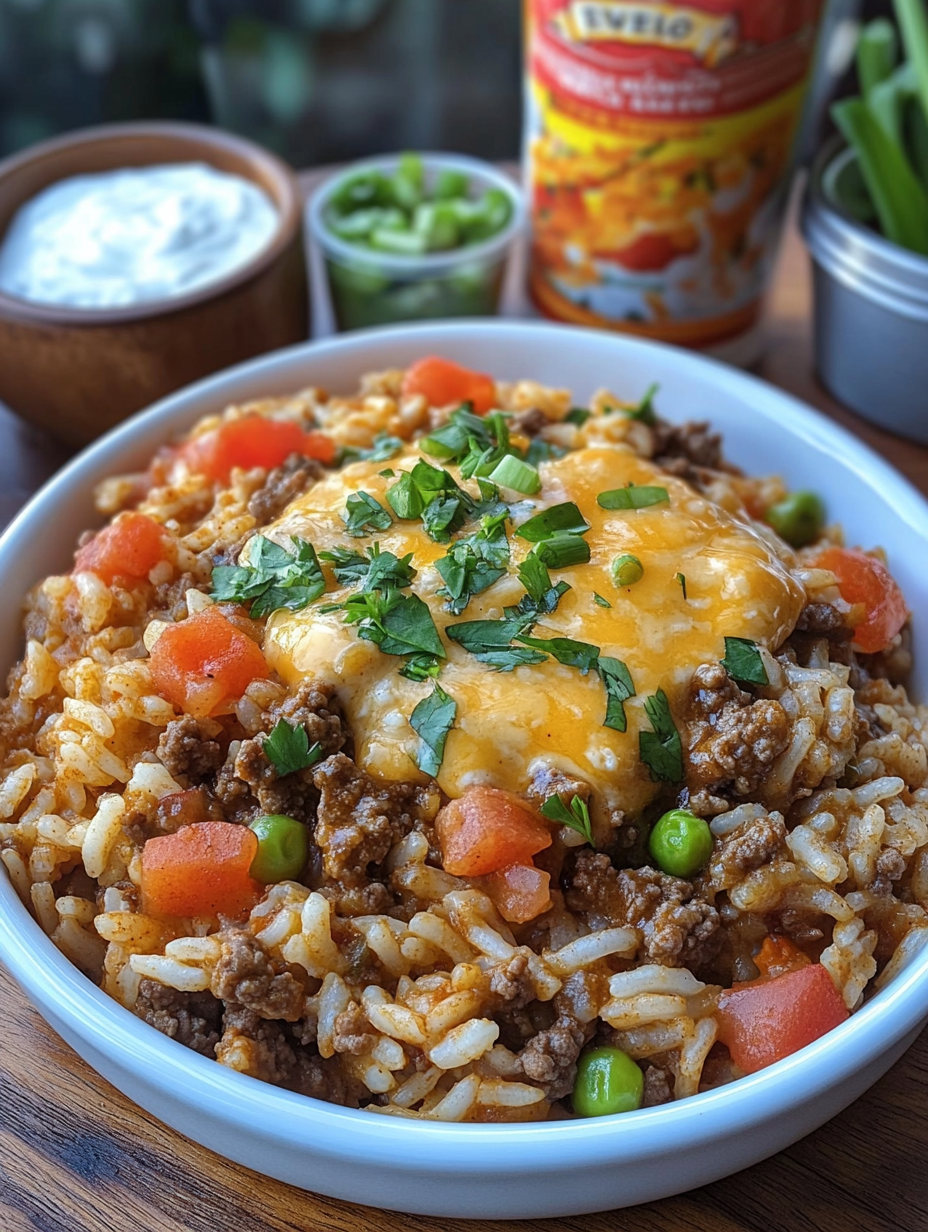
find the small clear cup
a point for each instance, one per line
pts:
(368, 287)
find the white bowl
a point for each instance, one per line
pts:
(485, 1171)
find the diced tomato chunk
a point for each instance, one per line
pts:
(253, 440)
(865, 580)
(768, 1020)
(128, 548)
(778, 956)
(204, 663)
(521, 892)
(486, 830)
(442, 383)
(203, 869)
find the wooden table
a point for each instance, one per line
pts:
(76, 1156)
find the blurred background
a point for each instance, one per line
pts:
(315, 80)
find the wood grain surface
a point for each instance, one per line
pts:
(76, 1156)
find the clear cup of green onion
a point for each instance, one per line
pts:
(414, 237)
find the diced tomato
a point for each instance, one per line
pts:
(203, 869)
(486, 830)
(767, 1020)
(865, 580)
(521, 892)
(778, 956)
(128, 548)
(253, 440)
(442, 383)
(203, 663)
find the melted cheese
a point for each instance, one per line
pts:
(509, 723)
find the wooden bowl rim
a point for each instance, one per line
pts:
(190, 138)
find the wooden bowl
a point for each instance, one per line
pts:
(77, 371)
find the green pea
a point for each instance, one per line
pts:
(626, 571)
(608, 1080)
(798, 519)
(680, 843)
(283, 848)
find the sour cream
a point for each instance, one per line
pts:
(126, 237)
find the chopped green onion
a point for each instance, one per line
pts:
(600, 601)
(626, 571)
(511, 472)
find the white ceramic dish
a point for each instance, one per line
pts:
(484, 1171)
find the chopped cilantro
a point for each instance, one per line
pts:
(362, 511)
(577, 415)
(661, 749)
(542, 595)
(619, 687)
(376, 571)
(567, 651)
(577, 816)
(272, 579)
(474, 563)
(289, 749)
(490, 641)
(644, 411)
(421, 666)
(404, 497)
(743, 661)
(431, 720)
(633, 497)
(384, 447)
(557, 519)
(399, 624)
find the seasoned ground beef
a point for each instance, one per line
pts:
(246, 975)
(284, 483)
(825, 619)
(688, 450)
(186, 751)
(732, 740)
(549, 1059)
(314, 707)
(658, 1087)
(291, 794)
(352, 1031)
(678, 927)
(360, 818)
(510, 980)
(530, 423)
(274, 1054)
(192, 1018)
(748, 847)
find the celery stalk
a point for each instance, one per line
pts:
(877, 53)
(913, 25)
(898, 197)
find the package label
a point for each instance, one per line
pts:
(658, 146)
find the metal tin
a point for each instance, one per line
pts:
(871, 309)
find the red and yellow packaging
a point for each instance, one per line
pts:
(658, 147)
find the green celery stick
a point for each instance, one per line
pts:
(877, 53)
(898, 197)
(913, 25)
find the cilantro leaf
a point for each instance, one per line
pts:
(490, 641)
(577, 816)
(474, 563)
(567, 651)
(399, 624)
(444, 515)
(542, 597)
(362, 511)
(661, 749)
(421, 666)
(619, 687)
(376, 571)
(743, 661)
(557, 519)
(289, 749)
(431, 720)
(633, 497)
(404, 497)
(384, 447)
(644, 411)
(273, 578)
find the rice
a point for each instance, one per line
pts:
(408, 992)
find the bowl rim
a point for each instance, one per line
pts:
(288, 207)
(273, 1114)
(432, 263)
